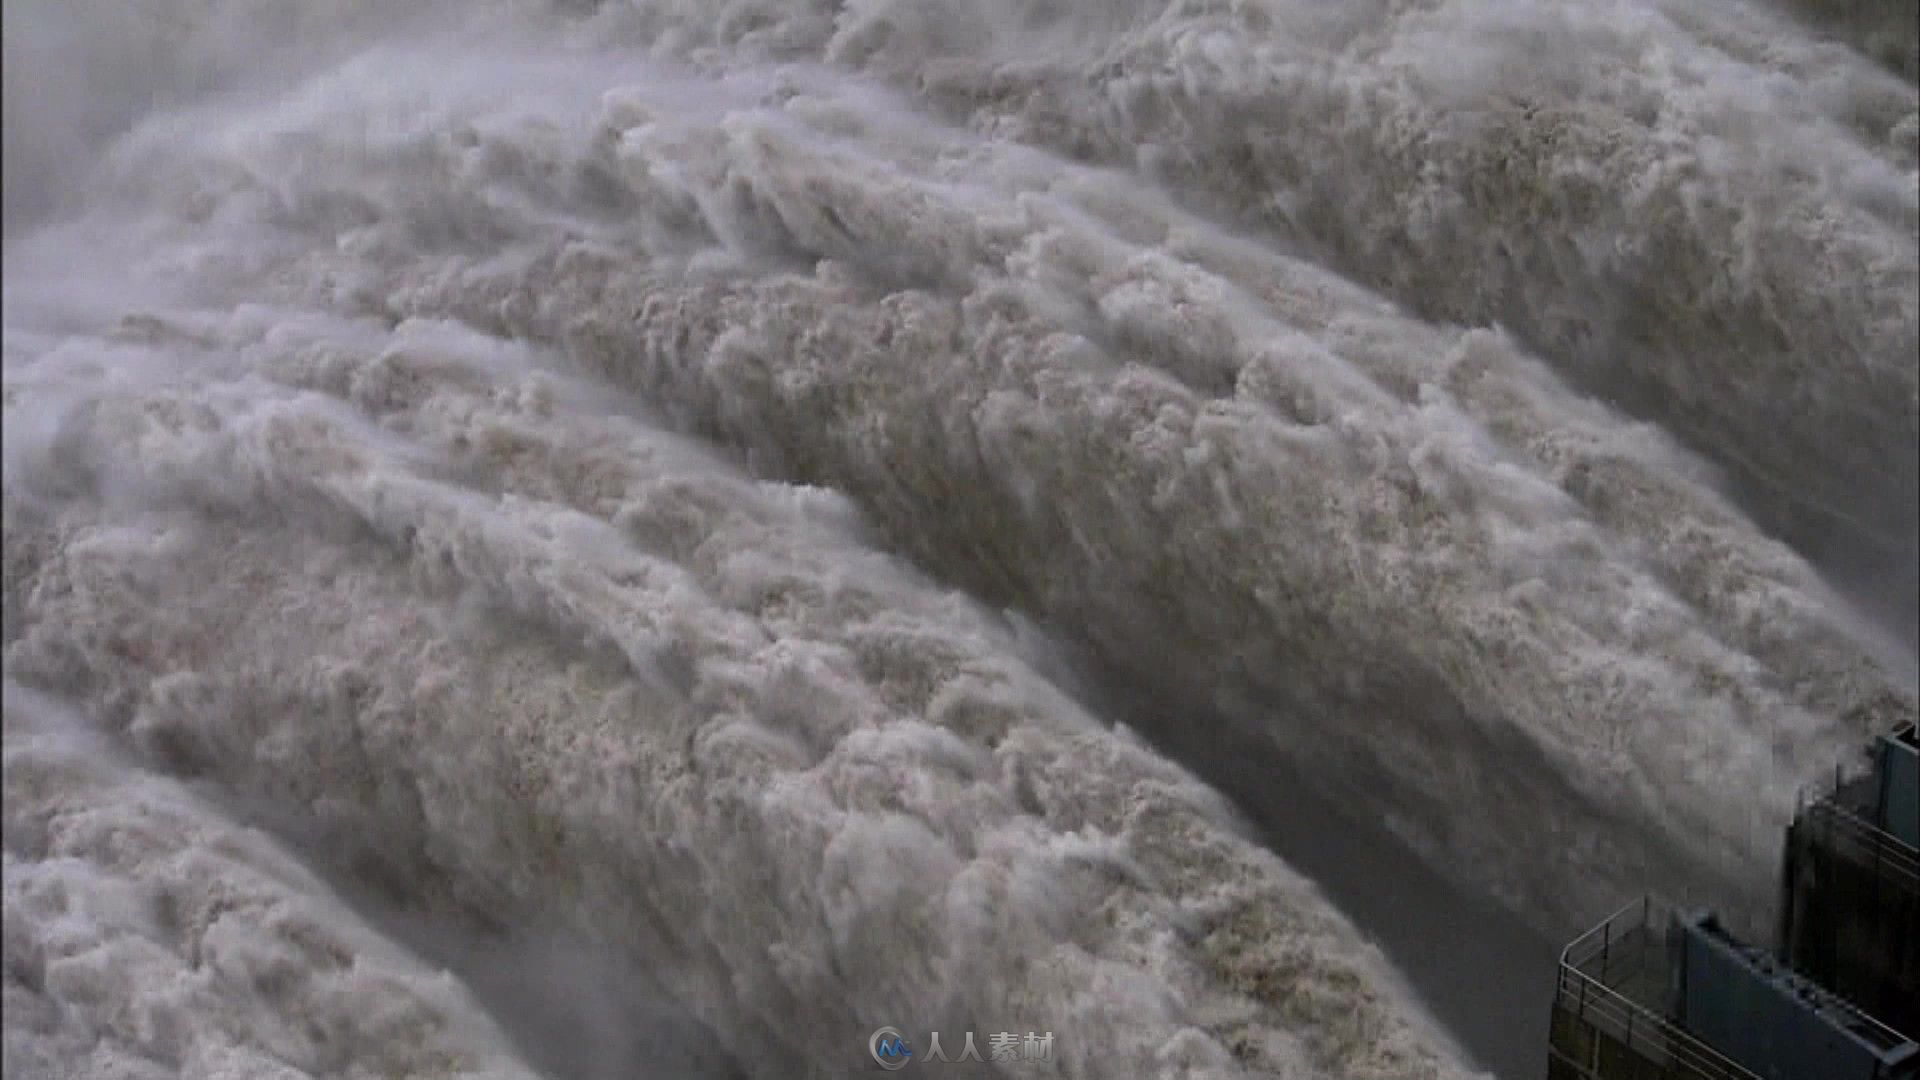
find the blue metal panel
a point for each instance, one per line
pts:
(1746, 1005)
(1899, 809)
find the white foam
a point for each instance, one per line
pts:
(349, 386)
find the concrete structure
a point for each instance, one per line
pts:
(1850, 886)
(1655, 994)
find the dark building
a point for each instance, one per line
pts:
(1657, 994)
(1850, 888)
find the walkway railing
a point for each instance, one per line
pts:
(1629, 950)
(1825, 808)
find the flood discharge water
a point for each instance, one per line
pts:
(654, 539)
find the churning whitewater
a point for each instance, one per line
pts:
(590, 540)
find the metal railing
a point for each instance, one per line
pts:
(1619, 943)
(1844, 829)
(1629, 945)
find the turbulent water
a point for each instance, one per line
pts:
(654, 539)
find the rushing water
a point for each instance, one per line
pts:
(653, 539)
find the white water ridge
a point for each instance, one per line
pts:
(654, 539)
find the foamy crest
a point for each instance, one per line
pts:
(543, 659)
(149, 936)
(1379, 544)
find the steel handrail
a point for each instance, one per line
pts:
(1644, 906)
(1875, 843)
(1639, 1027)
(1642, 1029)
